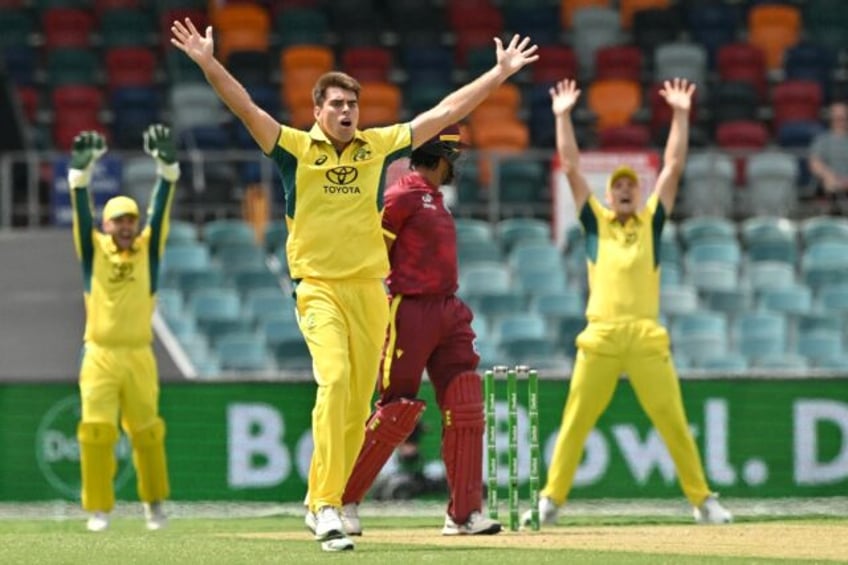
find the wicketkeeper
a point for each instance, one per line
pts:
(118, 376)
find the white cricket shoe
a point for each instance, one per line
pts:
(343, 543)
(712, 512)
(311, 521)
(155, 516)
(476, 525)
(350, 519)
(548, 511)
(97, 522)
(328, 524)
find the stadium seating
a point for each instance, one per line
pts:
(614, 101)
(594, 27)
(699, 335)
(655, 26)
(774, 28)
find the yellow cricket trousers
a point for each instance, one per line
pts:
(344, 323)
(639, 349)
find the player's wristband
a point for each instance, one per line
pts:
(169, 172)
(78, 178)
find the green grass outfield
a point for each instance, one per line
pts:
(222, 534)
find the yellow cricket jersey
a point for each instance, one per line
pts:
(623, 262)
(334, 202)
(120, 287)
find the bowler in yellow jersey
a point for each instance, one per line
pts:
(118, 376)
(623, 334)
(333, 181)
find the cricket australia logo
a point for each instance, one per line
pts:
(121, 272)
(57, 449)
(362, 154)
(341, 179)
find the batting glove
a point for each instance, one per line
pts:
(159, 144)
(87, 148)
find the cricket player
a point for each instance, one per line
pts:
(623, 335)
(430, 328)
(332, 176)
(118, 376)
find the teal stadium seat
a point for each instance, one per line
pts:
(534, 255)
(768, 238)
(781, 361)
(727, 362)
(824, 263)
(700, 335)
(287, 344)
(469, 229)
(715, 251)
(793, 300)
(243, 352)
(542, 279)
(759, 335)
(559, 304)
(703, 229)
(772, 178)
(523, 338)
(248, 279)
(276, 234)
(833, 298)
(708, 184)
(267, 303)
(769, 274)
(181, 232)
(678, 299)
(472, 251)
(520, 180)
(712, 275)
(824, 228)
(729, 301)
(227, 232)
(240, 256)
(511, 231)
(820, 344)
(218, 312)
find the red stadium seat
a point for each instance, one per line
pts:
(661, 113)
(167, 18)
(743, 62)
(555, 63)
(740, 136)
(76, 98)
(367, 63)
(796, 100)
(66, 128)
(618, 62)
(66, 27)
(626, 137)
(130, 66)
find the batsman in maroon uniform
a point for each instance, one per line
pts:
(429, 328)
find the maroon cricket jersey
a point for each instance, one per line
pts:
(423, 256)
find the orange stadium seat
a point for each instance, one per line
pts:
(66, 27)
(502, 104)
(629, 7)
(568, 7)
(379, 104)
(244, 27)
(503, 135)
(614, 101)
(300, 67)
(773, 28)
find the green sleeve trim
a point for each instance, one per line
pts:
(157, 221)
(657, 224)
(590, 226)
(390, 158)
(287, 167)
(83, 222)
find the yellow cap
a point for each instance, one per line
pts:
(120, 206)
(622, 172)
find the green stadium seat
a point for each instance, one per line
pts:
(468, 229)
(538, 279)
(267, 303)
(678, 299)
(701, 229)
(286, 341)
(181, 232)
(301, 26)
(795, 299)
(473, 252)
(823, 263)
(126, 28)
(226, 232)
(769, 239)
(72, 66)
(521, 181)
(560, 304)
(276, 234)
(249, 279)
(240, 256)
(759, 335)
(824, 228)
(727, 362)
(819, 344)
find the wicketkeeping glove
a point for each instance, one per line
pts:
(159, 144)
(87, 148)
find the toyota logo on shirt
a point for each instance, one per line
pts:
(340, 180)
(342, 175)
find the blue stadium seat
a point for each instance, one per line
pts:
(468, 229)
(541, 279)
(712, 275)
(823, 263)
(820, 344)
(471, 252)
(714, 251)
(181, 232)
(769, 274)
(534, 255)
